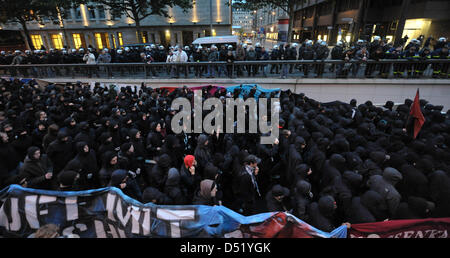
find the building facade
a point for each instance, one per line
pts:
(93, 24)
(242, 22)
(266, 22)
(349, 20)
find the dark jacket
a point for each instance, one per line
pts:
(85, 163)
(202, 154)
(385, 186)
(321, 214)
(188, 182)
(359, 213)
(59, 152)
(172, 188)
(302, 200)
(33, 171)
(203, 194)
(158, 175)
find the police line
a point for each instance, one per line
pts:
(108, 213)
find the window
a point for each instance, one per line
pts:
(119, 36)
(98, 39)
(77, 40)
(78, 14)
(57, 41)
(91, 12)
(37, 41)
(68, 14)
(101, 12)
(106, 38)
(113, 38)
(144, 37)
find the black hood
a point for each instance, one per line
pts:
(372, 200)
(211, 171)
(392, 175)
(353, 160)
(337, 161)
(107, 157)
(62, 134)
(173, 177)
(302, 170)
(326, 205)
(353, 178)
(299, 141)
(378, 157)
(80, 148)
(133, 133)
(420, 206)
(201, 140)
(164, 161)
(150, 193)
(303, 188)
(103, 137)
(117, 177)
(30, 152)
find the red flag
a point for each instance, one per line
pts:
(417, 114)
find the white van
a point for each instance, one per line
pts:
(218, 41)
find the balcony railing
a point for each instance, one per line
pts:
(385, 69)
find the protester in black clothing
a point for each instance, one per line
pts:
(278, 199)
(109, 165)
(60, 151)
(37, 170)
(336, 149)
(85, 163)
(125, 182)
(206, 194)
(189, 179)
(172, 188)
(153, 195)
(68, 180)
(248, 190)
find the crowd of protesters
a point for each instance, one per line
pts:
(332, 163)
(379, 49)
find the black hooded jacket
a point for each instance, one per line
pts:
(85, 163)
(158, 175)
(321, 214)
(202, 154)
(302, 200)
(60, 152)
(172, 188)
(33, 171)
(385, 186)
(104, 175)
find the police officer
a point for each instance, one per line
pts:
(337, 53)
(275, 55)
(291, 55)
(440, 69)
(412, 55)
(321, 54)
(120, 58)
(396, 53)
(425, 54)
(307, 53)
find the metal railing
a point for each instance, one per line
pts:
(434, 68)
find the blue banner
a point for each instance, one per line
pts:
(246, 88)
(108, 213)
